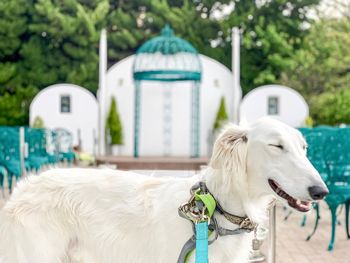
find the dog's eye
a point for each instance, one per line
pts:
(277, 146)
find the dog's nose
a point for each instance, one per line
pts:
(318, 192)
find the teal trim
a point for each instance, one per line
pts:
(167, 44)
(168, 75)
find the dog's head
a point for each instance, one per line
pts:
(269, 157)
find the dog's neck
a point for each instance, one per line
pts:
(234, 198)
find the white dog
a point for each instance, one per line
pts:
(106, 216)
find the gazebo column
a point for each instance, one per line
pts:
(167, 119)
(137, 112)
(195, 122)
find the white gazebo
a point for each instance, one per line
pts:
(165, 122)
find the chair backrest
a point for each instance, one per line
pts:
(50, 142)
(36, 139)
(316, 139)
(304, 131)
(337, 154)
(63, 140)
(9, 144)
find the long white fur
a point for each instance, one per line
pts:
(108, 216)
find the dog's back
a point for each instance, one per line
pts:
(84, 215)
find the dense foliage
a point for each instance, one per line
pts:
(332, 108)
(44, 42)
(321, 71)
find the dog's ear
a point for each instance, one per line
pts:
(230, 150)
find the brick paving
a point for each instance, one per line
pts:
(291, 244)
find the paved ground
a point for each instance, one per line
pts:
(291, 244)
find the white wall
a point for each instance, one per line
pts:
(83, 115)
(293, 108)
(216, 82)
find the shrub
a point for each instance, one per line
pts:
(38, 123)
(114, 130)
(221, 116)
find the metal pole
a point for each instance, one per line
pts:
(137, 107)
(237, 92)
(102, 90)
(272, 235)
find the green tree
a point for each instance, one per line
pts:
(131, 23)
(63, 42)
(322, 64)
(271, 32)
(114, 130)
(14, 107)
(44, 42)
(321, 71)
(332, 108)
(221, 115)
(13, 32)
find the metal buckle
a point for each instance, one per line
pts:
(192, 212)
(247, 224)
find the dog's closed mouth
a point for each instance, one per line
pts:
(302, 206)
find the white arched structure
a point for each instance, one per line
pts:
(280, 102)
(70, 107)
(217, 81)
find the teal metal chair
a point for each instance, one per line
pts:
(306, 132)
(329, 152)
(64, 145)
(316, 139)
(37, 155)
(10, 149)
(51, 151)
(337, 155)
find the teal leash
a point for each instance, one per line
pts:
(202, 242)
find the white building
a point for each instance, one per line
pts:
(71, 107)
(166, 115)
(216, 83)
(280, 102)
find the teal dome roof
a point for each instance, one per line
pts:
(167, 58)
(167, 43)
